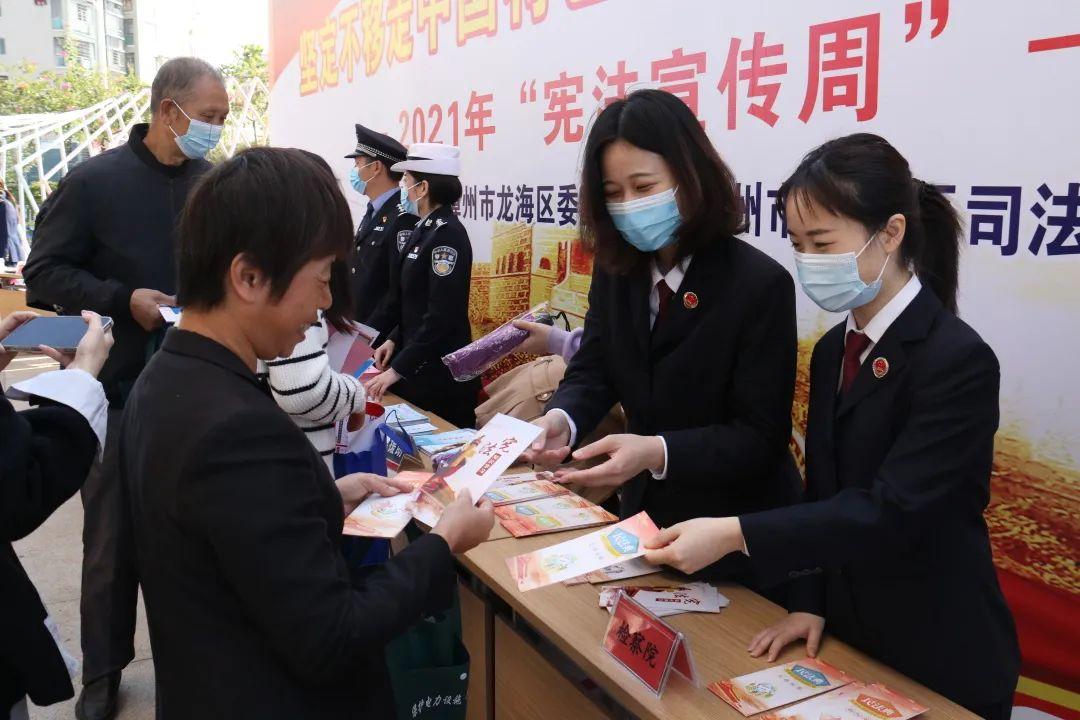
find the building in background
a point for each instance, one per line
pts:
(114, 37)
(26, 34)
(154, 32)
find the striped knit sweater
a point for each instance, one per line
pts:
(311, 392)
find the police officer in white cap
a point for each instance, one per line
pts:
(428, 307)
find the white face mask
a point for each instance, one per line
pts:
(833, 281)
(201, 137)
(408, 204)
(648, 223)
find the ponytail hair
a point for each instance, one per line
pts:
(864, 178)
(935, 257)
(340, 313)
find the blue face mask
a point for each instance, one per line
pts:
(357, 182)
(648, 223)
(200, 138)
(833, 281)
(408, 205)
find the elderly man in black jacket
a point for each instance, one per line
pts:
(104, 242)
(45, 454)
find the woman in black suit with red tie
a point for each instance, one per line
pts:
(691, 329)
(889, 550)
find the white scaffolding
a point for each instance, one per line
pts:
(39, 149)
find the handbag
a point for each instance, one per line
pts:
(366, 450)
(429, 668)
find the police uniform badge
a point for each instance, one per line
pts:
(443, 260)
(402, 238)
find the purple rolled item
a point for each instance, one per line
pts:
(472, 360)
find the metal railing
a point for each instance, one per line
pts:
(37, 150)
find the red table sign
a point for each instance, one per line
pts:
(646, 645)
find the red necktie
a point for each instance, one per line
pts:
(854, 346)
(665, 292)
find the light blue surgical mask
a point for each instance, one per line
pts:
(408, 205)
(358, 183)
(833, 281)
(648, 223)
(200, 138)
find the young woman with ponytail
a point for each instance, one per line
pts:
(889, 549)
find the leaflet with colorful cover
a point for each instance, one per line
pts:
(384, 517)
(780, 685)
(598, 549)
(856, 701)
(663, 601)
(350, 352)
(524, 492)
(480, 463)
(518, 478)
(404, 415)
(436, 443)
(552, 514)
(619, 571)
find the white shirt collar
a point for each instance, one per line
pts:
(675, 275)
(886, 316)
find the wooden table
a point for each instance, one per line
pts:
(569, 619)
(537, 654)
(11, 300)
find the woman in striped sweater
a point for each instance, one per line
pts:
(307, 388)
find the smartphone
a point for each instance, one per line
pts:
(61, 333)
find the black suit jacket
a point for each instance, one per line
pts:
(237, 523)
(891, 546)
(45, 454)
(715, 380)
(378, 243)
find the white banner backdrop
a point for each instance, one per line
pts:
(979, 96)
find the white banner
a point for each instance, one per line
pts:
(979, 96)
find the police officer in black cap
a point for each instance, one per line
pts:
(385, 227)
(429, 305)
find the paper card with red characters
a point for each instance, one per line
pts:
(646, 645)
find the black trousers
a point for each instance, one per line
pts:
(439, 393)
(110, 581)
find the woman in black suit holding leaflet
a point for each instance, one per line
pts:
(690, 328)
(890, 550)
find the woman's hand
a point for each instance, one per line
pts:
(553, 444)
(464, 526)
(378, 385)
(12, 321)
(796, 626)
(354, 488)
(694, 544)
(537, 342)
(628, 455)
(92, 350)
(383, 354)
